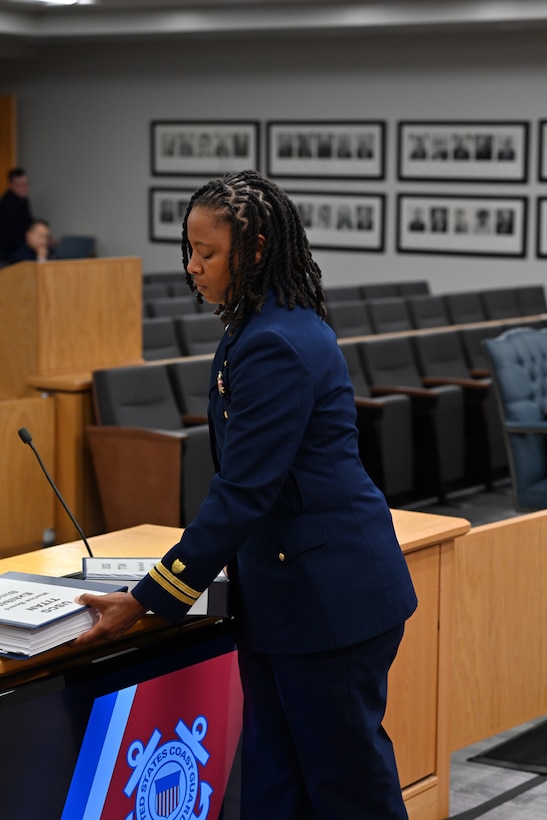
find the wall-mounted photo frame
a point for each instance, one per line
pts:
(326, 150)
(342, 221)
(542, 143)
(203, 148)
(462, 225)
(541, 227)
(462, 151)
(166, 210)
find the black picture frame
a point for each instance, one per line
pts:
(326, 149)
(459, 225)
(166, 210)
(541, 227)
(542, 151)
(203, 147)
(466, 151)
(342, 221)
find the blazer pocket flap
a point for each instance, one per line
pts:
(300, 535)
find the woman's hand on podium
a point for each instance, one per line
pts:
(116, 612)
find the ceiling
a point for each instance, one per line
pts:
(31, 21)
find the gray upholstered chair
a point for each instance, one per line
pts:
(441, 360)
(149, 468)
(427, 310)
(349, 318)
(198, 334)
(159, 340)
(438, 412)
(389, 315)
(519, 368)
(464, 307)
(385, 432)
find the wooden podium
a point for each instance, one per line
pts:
(60, 320)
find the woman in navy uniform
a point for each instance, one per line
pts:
(322, 587)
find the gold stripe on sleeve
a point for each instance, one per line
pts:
(171, 584)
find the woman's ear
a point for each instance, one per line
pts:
(261, 241)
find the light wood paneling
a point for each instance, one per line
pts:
(500, 639)
(95, 305)
(65, 316)
(26, 499)
(411, 718)
(8, 135)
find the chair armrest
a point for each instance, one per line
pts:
(480, 372)
(472, 384)
(422, 397)
(474, 389)
(191, 420)
(369, 409)
(532, 426)
(138, 472)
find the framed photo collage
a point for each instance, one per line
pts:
(309, 158)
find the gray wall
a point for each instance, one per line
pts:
(84, 114)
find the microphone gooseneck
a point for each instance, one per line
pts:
(26, 438)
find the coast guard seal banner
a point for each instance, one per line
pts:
(163, 748)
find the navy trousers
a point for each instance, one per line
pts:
(313, 743)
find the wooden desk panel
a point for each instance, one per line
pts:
(500, 617)
(26, 499)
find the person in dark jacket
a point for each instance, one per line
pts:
(322, 590)
(15, 214)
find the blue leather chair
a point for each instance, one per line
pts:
(519, 368)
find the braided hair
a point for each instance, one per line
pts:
(253, 205)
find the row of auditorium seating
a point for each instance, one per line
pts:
(426, 413)
(361, 317)
(168, 337)
(190, 334)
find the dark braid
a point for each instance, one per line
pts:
(253, 205)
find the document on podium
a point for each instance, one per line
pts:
(213, 602)
(38, 612)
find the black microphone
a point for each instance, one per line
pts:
(26, 438)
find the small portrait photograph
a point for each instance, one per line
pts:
(304, 144)
(461, 221)
(324, 145)
(365, 146)
(438, 220)
(185, 144)
(344, 147)
(365, 218)
(439, 148)
(417, 220)
(223, 144)
(182, 207)
(323, 216)
(344, 218)
(204, 146)
(168, 142)
(305, 209)
(241, 144)
(285, 147)
(460, 147)
(418, 146)
(167, 210)
(505, 221)
(483, 221)
(483, 146)
(505, 150)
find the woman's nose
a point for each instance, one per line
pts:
(193, 266)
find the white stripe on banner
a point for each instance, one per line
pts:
(109, 754)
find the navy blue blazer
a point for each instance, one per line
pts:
(309, 538)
